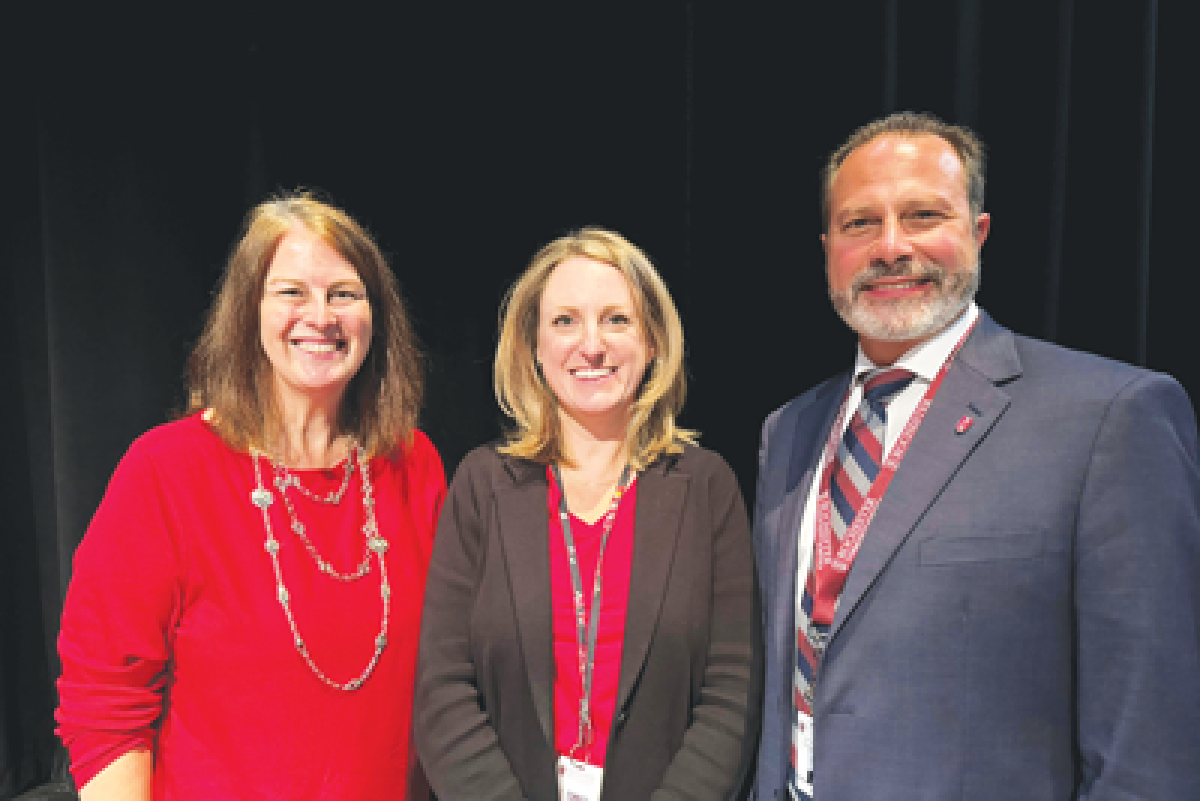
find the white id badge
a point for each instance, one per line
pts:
(802, 741)
(578, 781)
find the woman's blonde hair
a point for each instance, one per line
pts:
(523, 393)
(229, 373)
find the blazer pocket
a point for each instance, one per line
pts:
(992, 546)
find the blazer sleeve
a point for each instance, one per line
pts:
(458, 745)
(714, 758)
(1137, 563)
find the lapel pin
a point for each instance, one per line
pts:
(964, 424)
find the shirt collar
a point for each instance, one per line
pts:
(926, 358)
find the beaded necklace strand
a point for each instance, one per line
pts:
(262, 497)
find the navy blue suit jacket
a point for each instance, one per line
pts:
(1022, 619)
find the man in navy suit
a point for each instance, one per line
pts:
(979, 553)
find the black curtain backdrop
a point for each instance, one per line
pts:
(466, 136)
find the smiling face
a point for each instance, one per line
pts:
(591, 345)
(902, 249)
(314, 319)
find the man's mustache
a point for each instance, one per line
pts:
(905, 269)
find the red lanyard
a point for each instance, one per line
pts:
(831, 567)
(586, 630)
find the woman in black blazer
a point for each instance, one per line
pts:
(659, 703)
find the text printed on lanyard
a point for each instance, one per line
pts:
(826, 560)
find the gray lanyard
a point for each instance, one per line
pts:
(586, 629)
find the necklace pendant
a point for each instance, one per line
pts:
(377, 544)
(261, 498)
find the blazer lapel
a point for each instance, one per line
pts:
(525, 537)
(805, 447)
(938, 450)
(660, 502)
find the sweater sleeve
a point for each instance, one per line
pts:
(122, 604)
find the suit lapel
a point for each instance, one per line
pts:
(525, 536)
(938, 450)
(805, 448)
(661, 494)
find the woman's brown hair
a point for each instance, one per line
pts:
(228, 371)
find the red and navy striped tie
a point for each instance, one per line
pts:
(860, 454)
(857, 462)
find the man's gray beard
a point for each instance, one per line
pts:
(903, 319)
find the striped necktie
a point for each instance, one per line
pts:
(857, 462)
(860, 454)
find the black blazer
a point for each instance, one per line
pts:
(483, 713)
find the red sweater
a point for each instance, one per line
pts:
(610, 636)
(173, 637)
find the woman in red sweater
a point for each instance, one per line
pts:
(243, 617)
(589, 621)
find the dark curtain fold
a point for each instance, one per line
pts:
(466, 138)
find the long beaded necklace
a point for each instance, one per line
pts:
(261, 497)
